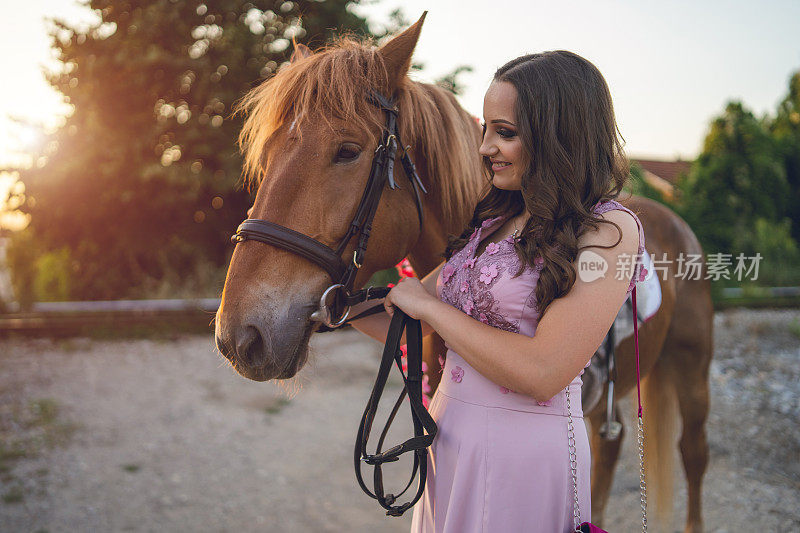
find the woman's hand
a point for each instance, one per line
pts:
(410, 296)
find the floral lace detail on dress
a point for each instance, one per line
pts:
(447, 271)
(491, 248)
(468, 279)
(469, 282)
(468, 287)
(488, 273)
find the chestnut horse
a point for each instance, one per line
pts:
(308, 139)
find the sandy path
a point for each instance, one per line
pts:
(151, 435)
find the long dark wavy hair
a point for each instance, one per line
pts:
(565, 119)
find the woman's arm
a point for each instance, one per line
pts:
(567, 335)
(377, 325)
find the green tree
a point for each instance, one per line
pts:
(738, 178)
(780, 254)
(786, 132)
(144, 177)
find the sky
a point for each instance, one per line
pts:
(670, 66)
(24, 92)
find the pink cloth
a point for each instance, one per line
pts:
(500, 461)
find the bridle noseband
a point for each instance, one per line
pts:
(382, 171)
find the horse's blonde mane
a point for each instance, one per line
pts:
(337, 80)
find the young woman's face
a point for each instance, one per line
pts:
(501, 143)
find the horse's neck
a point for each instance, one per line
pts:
(426, 254)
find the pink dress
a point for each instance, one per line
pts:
(500, 461)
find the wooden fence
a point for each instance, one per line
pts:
(146, 317)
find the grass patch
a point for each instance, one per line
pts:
(67, 345)
(757, 303)
(44, 411)
(132, 468)
(794, 328)
(13, 495)
(45, 417)
(27, 430)
(11, 452)
(277, 406)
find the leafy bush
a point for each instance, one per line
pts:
(21, 261)
(52, 276)
(780, 255)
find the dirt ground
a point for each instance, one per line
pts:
(161, 435)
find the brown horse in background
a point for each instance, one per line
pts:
(675, 348)
(304, 121)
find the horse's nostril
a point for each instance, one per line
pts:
(250, 347)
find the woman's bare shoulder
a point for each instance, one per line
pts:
(607, 234)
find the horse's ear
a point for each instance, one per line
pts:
(300, 51)
(397, 52)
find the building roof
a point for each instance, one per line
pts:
(666, 170)
(660, 184)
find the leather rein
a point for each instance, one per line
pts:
(334, 314)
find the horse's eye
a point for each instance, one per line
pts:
(347, 152)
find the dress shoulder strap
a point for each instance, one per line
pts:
(639, 271)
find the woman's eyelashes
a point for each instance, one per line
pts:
(501, 131)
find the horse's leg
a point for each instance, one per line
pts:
(657, 400)
(604, 459)
(689, 346)
(692, 391)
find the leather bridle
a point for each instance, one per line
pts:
(331, 260)
(420, 417)
(382, 171)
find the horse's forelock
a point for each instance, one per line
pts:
(335, 82)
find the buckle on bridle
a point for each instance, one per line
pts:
(323, 314)
(387, 456)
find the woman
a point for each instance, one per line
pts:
(522, 304)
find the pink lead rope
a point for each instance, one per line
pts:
(636, 349)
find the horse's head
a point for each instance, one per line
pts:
(308, 142)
